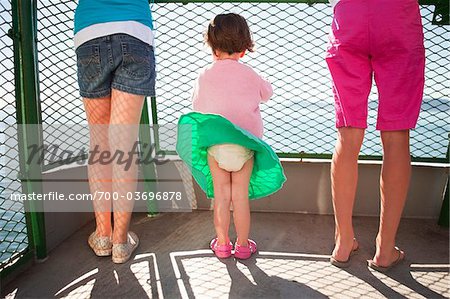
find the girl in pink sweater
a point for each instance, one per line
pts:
(229, 160)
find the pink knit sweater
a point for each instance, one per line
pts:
(233, 90)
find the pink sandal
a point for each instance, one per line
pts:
(245, 252)
(221, 251)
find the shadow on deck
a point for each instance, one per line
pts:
(173, 261)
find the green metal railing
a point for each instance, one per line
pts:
(291, 37)
(27, 111)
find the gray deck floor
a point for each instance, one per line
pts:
(173, 261)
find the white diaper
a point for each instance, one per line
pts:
(230, 157)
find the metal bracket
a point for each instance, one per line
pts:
(12, 34)
(441, 14)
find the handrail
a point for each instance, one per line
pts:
(440, 16)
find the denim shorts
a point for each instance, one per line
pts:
(117, 61)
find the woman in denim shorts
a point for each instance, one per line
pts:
(116, 70)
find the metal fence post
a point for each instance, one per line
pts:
(148, 169)
(28, 112)
(155, 122)
(444, 216)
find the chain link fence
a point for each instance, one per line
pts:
(290, 38)
(13, 230)
(59, 95)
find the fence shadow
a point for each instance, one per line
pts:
(295, 275)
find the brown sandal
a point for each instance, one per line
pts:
(382, 269)
(344, 264)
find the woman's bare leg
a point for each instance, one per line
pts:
(394, 183)
(344, 179)
(123, 134)
(98, 112)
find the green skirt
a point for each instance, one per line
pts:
(198, 131)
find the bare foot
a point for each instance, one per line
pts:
(388, 258)
(342, 250)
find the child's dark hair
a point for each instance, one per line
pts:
(229, 33)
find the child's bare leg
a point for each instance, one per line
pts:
(125, 116)
(222, 200)
(98, 112)
(344, 178)
(394, 183)
(241, 205)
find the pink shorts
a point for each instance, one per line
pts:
(383, 38)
